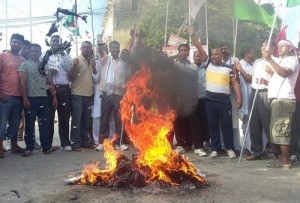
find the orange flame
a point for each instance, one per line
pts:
(148, 130)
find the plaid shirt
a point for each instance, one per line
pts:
(62, 64)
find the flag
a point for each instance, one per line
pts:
(281, 36)
(250, 11)
(292, 3)
(195, 7)
(71, 21)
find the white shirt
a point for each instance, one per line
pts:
(259, 71)
(280, 87)
(245, 88)
(62, 64)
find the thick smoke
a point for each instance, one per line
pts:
(176, 85)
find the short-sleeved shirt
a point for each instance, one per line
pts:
(62, 64)
(218, 78)
(259, 71)
(9, 82)
(36, 83)
(280, 87)
(83, 85)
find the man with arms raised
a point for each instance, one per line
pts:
(281, 92)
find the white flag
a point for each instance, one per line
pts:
(195, 6)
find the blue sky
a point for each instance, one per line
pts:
(43, 14)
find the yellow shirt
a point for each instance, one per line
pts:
(83, 85)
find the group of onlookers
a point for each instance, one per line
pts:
(259, 94)
(43, 85)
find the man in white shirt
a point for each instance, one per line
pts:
(260, 118)
(283, 101)
(245, 70)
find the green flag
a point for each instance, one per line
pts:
(291, 3)
(250, 11)
(71, 22)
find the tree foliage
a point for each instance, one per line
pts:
(221, 25)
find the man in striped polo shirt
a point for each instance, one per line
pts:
(219, 77)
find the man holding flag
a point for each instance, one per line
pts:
(281, 92)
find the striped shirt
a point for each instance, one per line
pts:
(218, 79)
(62, 64)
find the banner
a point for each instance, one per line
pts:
(175, 40)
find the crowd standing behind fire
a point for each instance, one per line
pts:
(89, 90)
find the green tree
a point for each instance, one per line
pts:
(221, 25)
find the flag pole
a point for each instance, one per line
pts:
(206, 24)
(76, 26)
(235, 37)
(6, 31)
(190, 38)
(256, 91)
(166, 27)
(61, 24)
(30, 19)
(92, 21)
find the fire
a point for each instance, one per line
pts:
(148, 130)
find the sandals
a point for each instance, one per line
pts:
(27, 153)
(252, 158)
(18, 150)
(52, 149)
(276, 164)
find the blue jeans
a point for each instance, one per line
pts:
(10, 113)
(39, 107)
(81, 119)
(219, 113)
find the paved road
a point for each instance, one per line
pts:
(39, 179)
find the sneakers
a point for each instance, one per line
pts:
(180, 150)
(214, 154)
(99, 147)
(231, 154)
(52, 149)
(67, 148)
(8, 146)
(123, 147)
(200, 152)
(36, 146)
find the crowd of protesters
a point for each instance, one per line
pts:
(261, 95)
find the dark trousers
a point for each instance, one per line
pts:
(183, 133)
(219, 113)
(10, 113)
(39, 107)
(194, 125)
(203, 125)
(295, 139)
(81, 115)
(63, 95)
(260, 120)
(108, 104)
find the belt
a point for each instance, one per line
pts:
(261, 90)
(66, 85)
